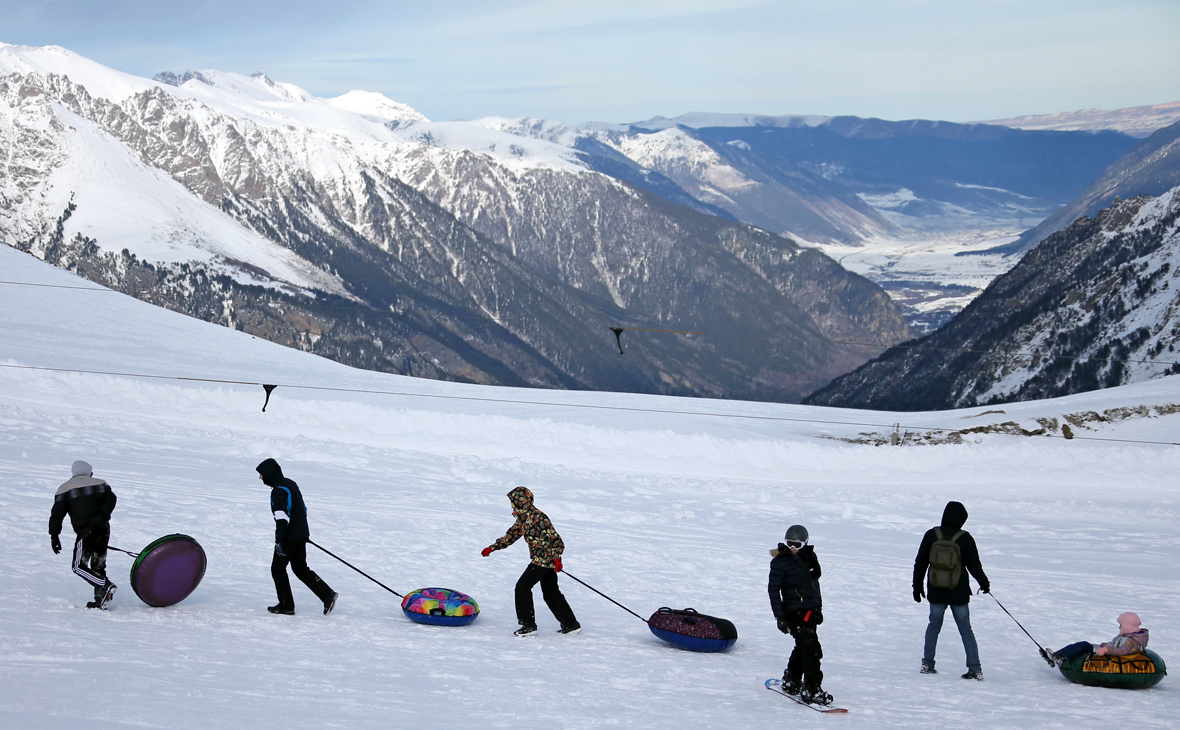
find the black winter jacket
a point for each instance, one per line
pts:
(953, 518)
(286, 503)
(794, 581)
(82, 497)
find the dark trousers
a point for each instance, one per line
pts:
(804, 661)
(90, 558)
(297, 557)
(547, 577)
(1075, 649)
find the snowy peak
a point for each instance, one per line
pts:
(700, 120)
(1137, 121)
(373, 104)
(256, 87)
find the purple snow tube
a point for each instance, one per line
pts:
(693, 631)
(168, 570)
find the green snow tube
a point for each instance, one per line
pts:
(1132, 671)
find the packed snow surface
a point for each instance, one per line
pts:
(660, 501)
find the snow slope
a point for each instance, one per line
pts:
(661, 501)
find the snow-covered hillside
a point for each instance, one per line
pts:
(660, 501)
(1137, 121)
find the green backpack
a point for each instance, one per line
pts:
(946, 561)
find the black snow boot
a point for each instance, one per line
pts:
(816, 696)
(1051, 657)
(330, 603)
(108, 593)
(973, 675)
(573, 628)
(792, 685)
(281, 609)
(927, 669)
(526, 630)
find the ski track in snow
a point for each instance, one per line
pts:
(655, 509)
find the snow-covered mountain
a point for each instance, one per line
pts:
(1092, 306)
(357, 229)
(1137, 121)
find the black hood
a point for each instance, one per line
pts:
(272, 473)
(954, 517)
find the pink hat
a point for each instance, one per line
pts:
(1129, 623)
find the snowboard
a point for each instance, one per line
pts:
(776, 685)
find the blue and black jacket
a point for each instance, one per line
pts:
(286, 503)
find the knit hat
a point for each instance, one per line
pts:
(81, 469)
(1129, 623)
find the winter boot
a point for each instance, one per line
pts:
(978, 675)
(927, 669)
(330, 603)
(816, 696)
(107, 594)
(573, 628)
(1051, 657)
(526, 630)
(792, 685)
(281, 609)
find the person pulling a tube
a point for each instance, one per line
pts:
(545, 549)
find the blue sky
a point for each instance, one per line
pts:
(621, 61)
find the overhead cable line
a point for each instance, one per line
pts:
(269, 387)
(618, 331)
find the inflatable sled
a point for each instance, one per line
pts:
(1132, 671)
(440, 607)
(168, 570)
(694, 631)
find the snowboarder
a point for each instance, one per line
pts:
(89, 503)
(291, 536)
(944, 553)
(798, 608)
(545, 549)
(1132, 639)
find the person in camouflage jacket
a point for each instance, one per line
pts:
(545, 549)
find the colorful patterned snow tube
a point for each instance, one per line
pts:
(168, 570)
(694, 631)
(440, 607)
(1130, 671)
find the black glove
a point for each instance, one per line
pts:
(783, 626)
(55, 543)
(817, 617)
(279, 550)
(985, 588)
(919, 594)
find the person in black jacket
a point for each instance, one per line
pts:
(954, 516)
(89, 502)
(797, 605)
(291, 536)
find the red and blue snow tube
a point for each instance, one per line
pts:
(691, 630)
(440, 607)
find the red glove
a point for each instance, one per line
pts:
(557, 564)
(486, 551)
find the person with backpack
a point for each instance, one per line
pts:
(947, 554)
(89, 502)
(291, 537)
(798, 609)
(545, 549)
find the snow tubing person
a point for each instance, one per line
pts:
(168, 570)
(945, 557)
(797, 605)
(691, 630)
(440, 607)
(545, 549)
(1124, 661)
(291, 536)
(89, 502)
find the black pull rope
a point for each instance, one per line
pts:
(1017, 623)
(359, 570)
(134, 555)
(269, 389)
(605, 596)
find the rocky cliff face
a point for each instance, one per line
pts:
(1092, 306)
(252, 204)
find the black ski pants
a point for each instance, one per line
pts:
(804, 661)
(296, 557)
(547, 577)
(90, 557)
